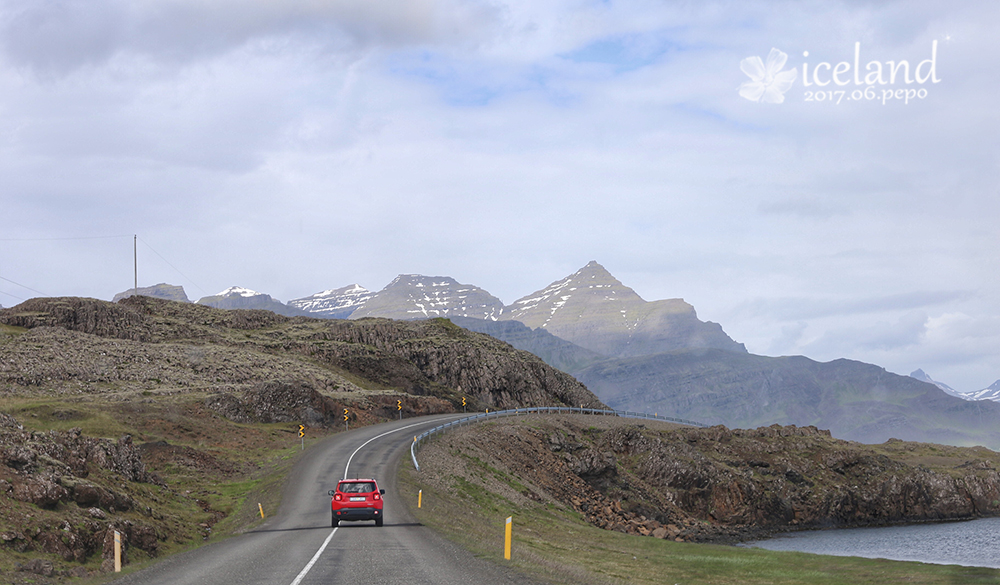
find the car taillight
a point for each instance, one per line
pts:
(376, 496)
(338, 497)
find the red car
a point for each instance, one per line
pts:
(356, 499)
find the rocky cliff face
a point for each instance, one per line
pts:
(413, 296)
(593, 309)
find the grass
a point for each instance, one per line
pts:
(94, 420)
(255, 459)
(555, 544)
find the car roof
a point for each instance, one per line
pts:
(356, 479)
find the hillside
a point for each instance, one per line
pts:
(72, 345)
(703, 484)
(854, 400)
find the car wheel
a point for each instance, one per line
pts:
(334, 522)
(378, 521)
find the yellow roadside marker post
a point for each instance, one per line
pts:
(261, 509)
(420, 498)
(506, 539)
(118, 552)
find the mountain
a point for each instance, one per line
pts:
(333, 304)
(236, 297)
(163, 290)
(854, 400)
(991, 393)
(594, 310)
(923, 377)
(414, 296)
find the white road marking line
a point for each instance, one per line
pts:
(315, 558)
(348, 466)
(309, 566)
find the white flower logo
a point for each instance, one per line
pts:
(768, 82)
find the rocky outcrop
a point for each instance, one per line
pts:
(717, 484)
(91, 316)
(439, 358)
(54, 470)
(298, 402)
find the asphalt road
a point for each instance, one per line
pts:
(286, 549)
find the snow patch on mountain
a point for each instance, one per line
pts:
(990, 393)
(337, 303)
(414, 296)
(238, 291)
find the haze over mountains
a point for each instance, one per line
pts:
(657, 356)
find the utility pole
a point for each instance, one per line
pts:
(135, 264)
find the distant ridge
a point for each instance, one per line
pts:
(854, 400)
(236, 297)
(554, 351)
(163, 290)
(923, 377)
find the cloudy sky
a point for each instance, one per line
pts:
(296, 146)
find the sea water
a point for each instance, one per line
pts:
(974, 543)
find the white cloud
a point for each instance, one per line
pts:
(299, 146)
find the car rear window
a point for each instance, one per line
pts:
(356, 487)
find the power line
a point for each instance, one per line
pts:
(172, 266)
(22, 286)
(10, 295)
(60, 239)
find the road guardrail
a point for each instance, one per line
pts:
(484, 416)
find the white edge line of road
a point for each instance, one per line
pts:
(315, 558)
(309, 566)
